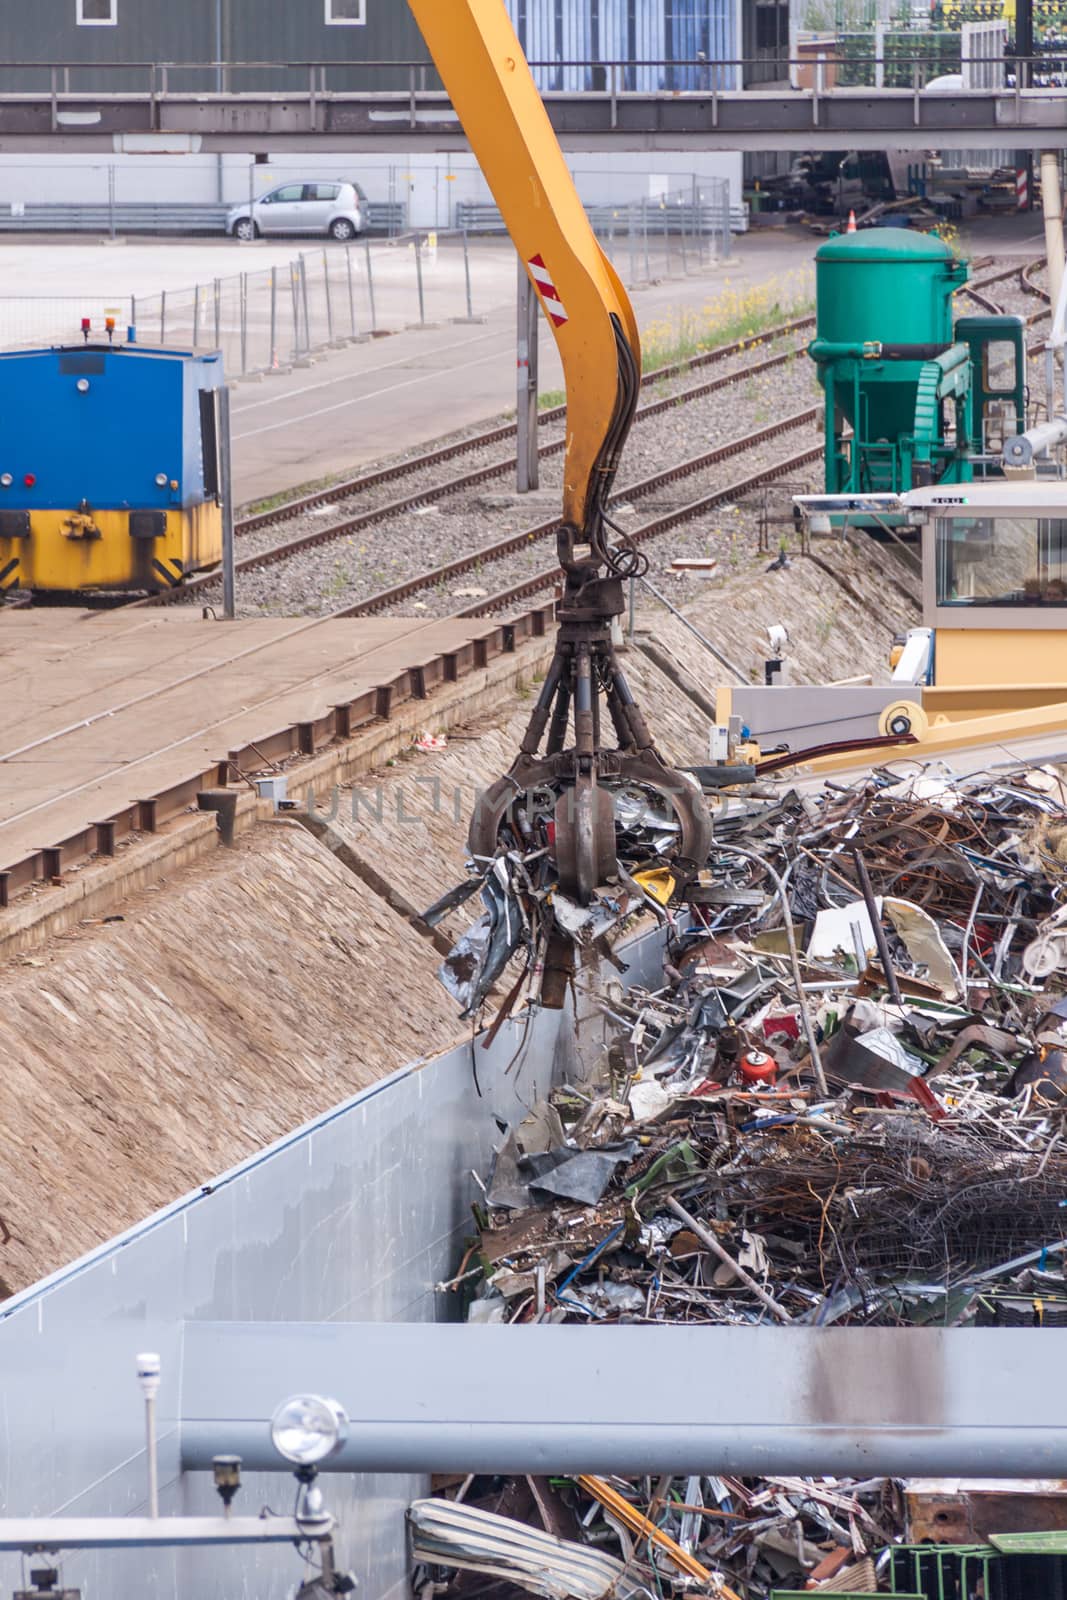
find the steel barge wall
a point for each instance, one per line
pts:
(354, 1217)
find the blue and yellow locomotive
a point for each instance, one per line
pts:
(109, 467)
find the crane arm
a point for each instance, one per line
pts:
(567, 792)
(492, 89)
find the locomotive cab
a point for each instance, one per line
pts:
(109, 468)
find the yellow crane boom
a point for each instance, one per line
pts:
(571, 790)
(492, 89)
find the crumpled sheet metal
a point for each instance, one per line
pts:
(934, 1156)
(446, 1533)
(480, 955)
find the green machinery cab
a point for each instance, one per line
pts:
(1012, 1566)
(910, 399)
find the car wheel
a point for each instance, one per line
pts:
(244, 228)
(341, 228)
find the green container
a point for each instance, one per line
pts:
(887, 284)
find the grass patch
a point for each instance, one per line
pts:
(271, 502)
(732, 314)
(550, 399)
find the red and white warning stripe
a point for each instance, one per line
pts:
(549, 294)
(1022, 196)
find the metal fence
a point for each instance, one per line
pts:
(270, 319)
(113, 216)
(658, 236)
(277, 317)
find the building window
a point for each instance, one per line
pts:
(97, 13)
(346, 13)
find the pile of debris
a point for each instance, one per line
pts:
(527, 920)
(853, 1112)
(592, 1537)
(844, 1105)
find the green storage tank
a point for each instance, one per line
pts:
(891, 287)
(887, 284)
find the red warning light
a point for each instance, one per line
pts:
(30, 479)
(87, 323)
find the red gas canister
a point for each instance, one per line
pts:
(758, 1067)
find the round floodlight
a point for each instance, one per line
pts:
(83, 386)
(6, 480)
(162, 480)
(308, 1428)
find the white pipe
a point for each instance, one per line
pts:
(1019, 453)
(1052, 206)
(927, 1402)
(148, 1377)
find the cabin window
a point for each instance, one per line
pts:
(998, 366)
(346, 13)
(1001, 561)
(97, 13)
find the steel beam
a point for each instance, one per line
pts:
(638, 1399)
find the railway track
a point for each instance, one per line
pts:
(508, 430)
(498, 550)
(1024, 276)
(361, 521)
(1028, 286)
(430, 494)
(367, 519)
(549, 577)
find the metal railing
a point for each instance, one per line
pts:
(653, 237)
(154, 217)
(652, 217)
(416, 81)
(82, 97)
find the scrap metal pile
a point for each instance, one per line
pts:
(594, 1537)
(845, 1104)
(529, 920)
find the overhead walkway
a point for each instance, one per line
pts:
(153, 110)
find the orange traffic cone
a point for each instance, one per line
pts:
(851, 222)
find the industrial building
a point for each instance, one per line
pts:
(665, 42)
(651, 34)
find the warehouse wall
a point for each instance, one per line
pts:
(430, 185)
(248, 30)
(659, 32)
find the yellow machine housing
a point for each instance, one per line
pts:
(989, 662)
(77, 552)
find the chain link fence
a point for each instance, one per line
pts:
(278, 317)
(271, 319)
(672, 234)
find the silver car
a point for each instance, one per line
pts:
(331, 207)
